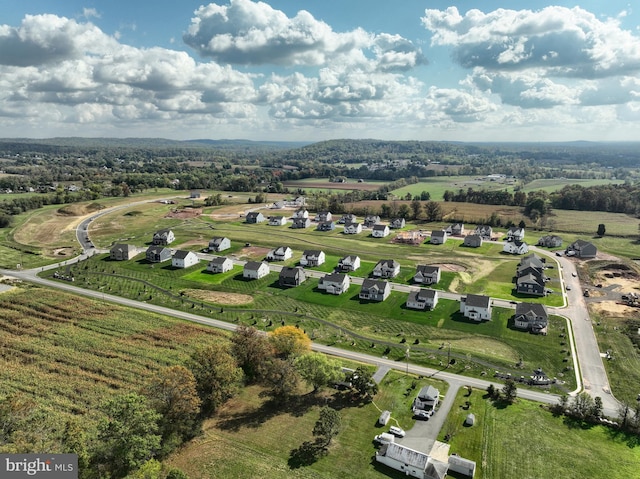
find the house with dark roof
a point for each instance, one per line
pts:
(300, 213)
(220, 264)
(374, 290)
(427, 399)
(515, 247)
(335, 283)
(184, 259)
(349, 263)
(254, 217)
(323, 216)
(163, 237)
(326, 226)
(531, 317)
(312, 257)
(300, 223)
(291, 276)
(277, 221)
(455, 229)
(427, 274)
(438, 237)
(533, 260)
(422, 299)
(352, 228)
(255, 269)
(530, 284)
(347, 218)
(371, 220)
(157, 254)
(380, 231)
(397, 223)
(281, 253)
(515, 233)
(484, 231)
(476, 307)
(122, 252)
(582, 249)
(219, 244)
(472, 241)
(386, 268)
(550, 241)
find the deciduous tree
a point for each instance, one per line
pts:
(363, 383)
(253, 351)
(289, 341)
(327, 426)
(602, 229)
(283, 379)
(509, 391)
(317, 369)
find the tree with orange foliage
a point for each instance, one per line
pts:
(289, 341)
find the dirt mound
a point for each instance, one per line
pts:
(219, 297)
(184, 213)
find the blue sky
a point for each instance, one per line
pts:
(315, 70)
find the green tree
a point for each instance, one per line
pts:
(128, 435)
(172, 392)
(363, 383)
(74, 441)
(289, 341)
(253, 351)
(433, 211)
(283, 378)
(217, 375)
(509, 391)
(152, 469)
(317, 369)
(601, 229)
(176, 473)
(404, 211)
(416, 208)
(582, 405)
(327, 426)
(596, 410)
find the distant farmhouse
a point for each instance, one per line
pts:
(277, 221)
(455, 229)
(397, 223)
(347, 218)
(300, 213)
(323, 216)
(371, 220)
(484, 231)
(515, 233)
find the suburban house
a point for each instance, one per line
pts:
(374, 290)
(291, 276)
(349, 263)
(515, 233)
(463, 466)
(254, 217)
(438, 237)
(277, 221)
(184, 259)
(550, 241)
(163, 237)
(534, 261)
(531, 317)
(299, 223)
(472, 241)
(581, 249)
(335, 283)
(157, 254)
(220, 264)
(476, 307)
(427, 398)
(327, 226)
(515, 247)
(122, 252)
(312, 257)
(255, 270)
(352, 228)
(219, 244)
(410, 462)
(278, 205)
(323, 216)
(386, 268)
(347, 218)
(531, 283)
(455, 229)
(525, 269)
(380, 231)
(397, 223)
(300, 213)
(281, 253)
(426, 274)
(484, 231)
(422, 299)
(371, 220)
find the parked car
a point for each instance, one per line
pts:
(421, 414)
(574, 275)
(568, 288)
(384, 438)
(397, 431)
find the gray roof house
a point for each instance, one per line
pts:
(312, 257)
(371, 220)
(582, 249)
(427, 398)
(254, 217)
(531, 317)
(427, 274)
(533, 260)
(397, 223)
(472, 241)
(335, 283)
(386, 268)
(291, 276)
(347, 218)
(220, 264)
(380, 231)
(157, 254)
(281, 253)
(374, 290)
(476, 307)
(277, 221)
(531, 284)
(422, 299)
(515, 247)
(352, 228)
(323, 216)
(326, 226)
(483, 230)
(438, 237)
(455, 229)
(255, 270)
(410, 462)
(550, 241)
(163, 237)
(122, 252)
(300, 213)
(515, 233)
(219, 244)
(300, 223)
(349, 263)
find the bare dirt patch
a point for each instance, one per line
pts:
(219, 297)
(67, 252)
(184, 213)
(456, 268)
(611, 308)
(253, 252)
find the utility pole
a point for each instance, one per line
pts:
(449, 356)
(407, 354)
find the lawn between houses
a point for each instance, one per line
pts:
(527, 441)
(385, 328)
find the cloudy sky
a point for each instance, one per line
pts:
(315, 70)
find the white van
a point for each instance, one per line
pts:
(384, 438)
(397, 431)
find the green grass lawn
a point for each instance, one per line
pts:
(554, 184)
(526, 441)
(436, 186)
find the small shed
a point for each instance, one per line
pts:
(470, 420)
(383, 420)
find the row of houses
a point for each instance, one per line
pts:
(530, 276)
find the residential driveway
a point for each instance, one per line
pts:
(423, 434)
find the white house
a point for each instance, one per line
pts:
(219, 244)
(515, 247)
(410, 462)
(300, 223)
(184, 259)
(352, 228)
(312, 258)
(515, 233)
(255, 270)
(374, 290)
(323, 216)
(163, 237)
(281, 253)
(335, 283)
(347, 218)
(485, 231)
(349, 263)
(397, 223)
(476, 307)
(277, 221)
(301, 213)
(386, 268)
(380, 231)
(220, 264)
(438, 237)
(427, 274)
(455, 229)
(422, 299)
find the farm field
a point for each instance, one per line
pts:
(323, 184)
(554, 184)
(437, 185)
(500, 442)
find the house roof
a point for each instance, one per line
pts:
(348, 259)
(162, 232)
(281, 250)
(427, 269)
(428, 393)
(314, 253)
(219, 260)
(253, 265)
(253, 214)
(123, 247)
(182, 254)
(374, 284)
(217, 241)
(405, 455)
(439, 234)
(537, 309)
(473, 239)
(424, 293)
(334, 278)
(157, 249)
(477, 301)
(461, 463)
(387, 263)
(379, 227)
(530, 279)
(291, 272)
